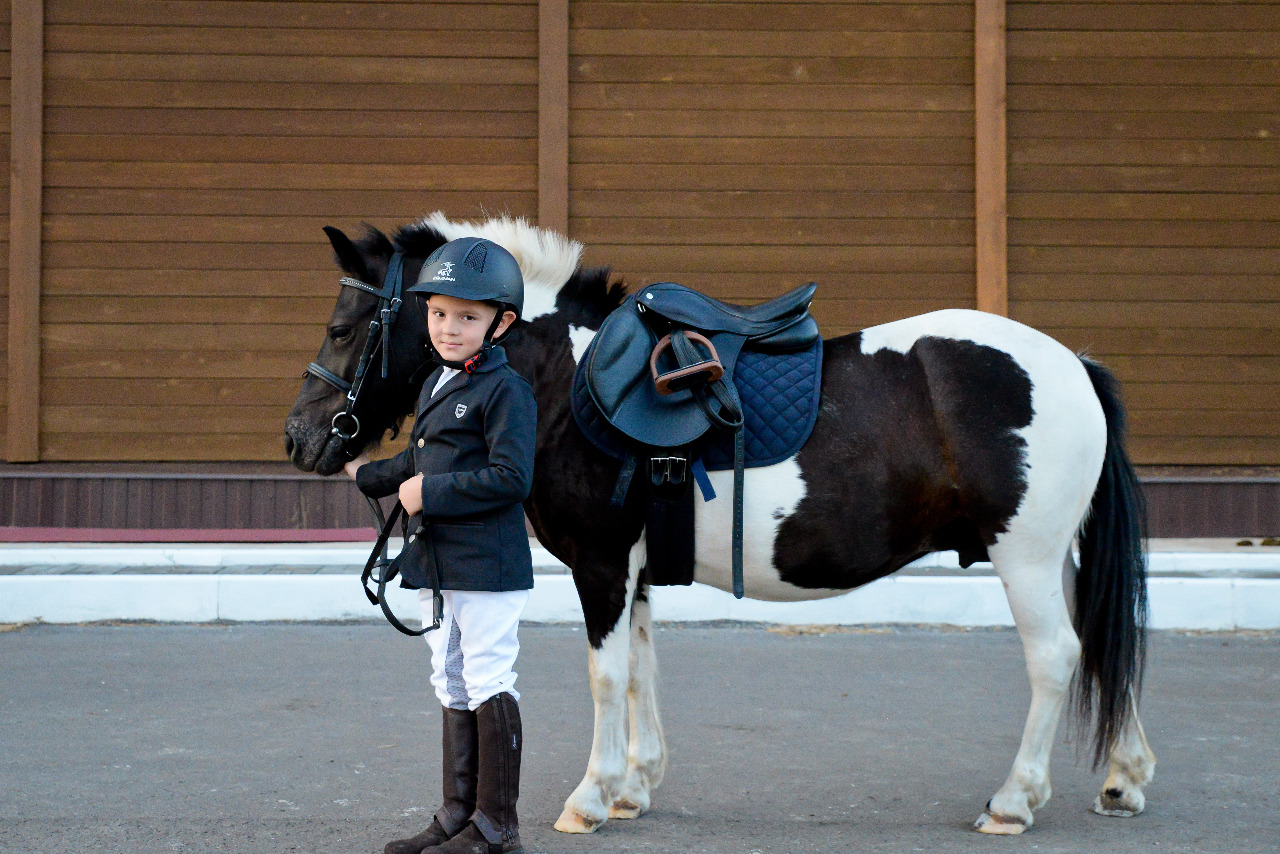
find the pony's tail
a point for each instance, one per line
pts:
(1111, 586)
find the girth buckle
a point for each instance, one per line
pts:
(668, 471)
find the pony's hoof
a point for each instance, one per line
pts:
(575, 822)
(999, 824)
(623, 808)
(1120, 803)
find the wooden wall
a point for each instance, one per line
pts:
(193, 150)
(192, 153)
(746, 148)
(1144, 200)
(4, 221)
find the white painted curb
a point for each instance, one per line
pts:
(1176, 603)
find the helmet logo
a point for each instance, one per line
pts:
(444, 273)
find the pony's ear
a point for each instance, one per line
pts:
(346, 254)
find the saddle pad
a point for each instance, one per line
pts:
(780, 395)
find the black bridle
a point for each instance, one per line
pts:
(345, 425)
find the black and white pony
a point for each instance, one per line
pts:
(954, 430)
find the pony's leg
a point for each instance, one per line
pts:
(1132, 766)
(588, 807)
(647, 751)
(1049, 641)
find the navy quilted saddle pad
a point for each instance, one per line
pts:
(780, 396)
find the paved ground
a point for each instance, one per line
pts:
(319, 738)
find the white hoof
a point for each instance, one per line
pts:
(999, 824)
(575, 822)
(1118, 802)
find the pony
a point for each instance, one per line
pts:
(954, 430)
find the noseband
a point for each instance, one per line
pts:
(345, 425)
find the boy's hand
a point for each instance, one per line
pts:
(351, 467)
(411, 495)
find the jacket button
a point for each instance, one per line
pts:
(413, 537)
(422, 442)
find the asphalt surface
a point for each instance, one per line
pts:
(322, 738)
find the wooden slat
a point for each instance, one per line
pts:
(1149, 152)
(260, 309)
(163, 419)
(1139, 205)
(389, 208)
(191, 391)
(1130, 259)
(215, 68)
(774, 70)
(1101, 232)
(553, 114)
(1117, 340)
(1101, 123)
(449, 15)
(301, 338)
(786, 259)
(712, 96)
(269, 149)
(990, 212)
(264, 96)
(1203, 288)
(626, 176)
(1128, 98)
(1202, 450)
(729, 231)
(764, 123)
(264, 41)
(1180, 423)
(771, 17)
(783, 205)
(767, 44)
(770, 150)
(330, 176)
(505, 121)
(23, 353)
(1134, 315)
(1191, 45)
(1149, 17)
(1155, 71)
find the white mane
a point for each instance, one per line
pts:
(546, 259)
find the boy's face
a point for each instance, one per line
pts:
(457, 326)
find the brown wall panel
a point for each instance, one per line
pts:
(188, 174)
(5, 92)
(1144, 179)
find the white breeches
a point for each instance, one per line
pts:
(473, 653)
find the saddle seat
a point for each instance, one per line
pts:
(761, 324)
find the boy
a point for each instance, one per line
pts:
(468, 468)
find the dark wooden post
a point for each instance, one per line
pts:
(553, 115)
(25, 185)
(991, 241)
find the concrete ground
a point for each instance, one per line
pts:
(321, 738)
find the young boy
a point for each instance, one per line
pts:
(468, 467)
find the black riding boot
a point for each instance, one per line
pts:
(493, 828)
(459, 760)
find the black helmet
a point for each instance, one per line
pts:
(473, 268)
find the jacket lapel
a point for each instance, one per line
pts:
(456, 382)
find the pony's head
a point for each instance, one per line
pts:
(564, 305)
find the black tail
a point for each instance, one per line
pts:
(1111, 587)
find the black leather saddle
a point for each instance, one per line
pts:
(660, 373)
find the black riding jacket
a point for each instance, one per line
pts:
(473, 442)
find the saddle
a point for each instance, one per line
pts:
(659, 383)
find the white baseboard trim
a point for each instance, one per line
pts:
(1218, 603)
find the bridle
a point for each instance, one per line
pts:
(345, 425)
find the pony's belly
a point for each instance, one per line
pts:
(770, 495)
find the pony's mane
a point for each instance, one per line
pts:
(547, 260)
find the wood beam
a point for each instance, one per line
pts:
(991, 240)
(553, 115)
(25, 207)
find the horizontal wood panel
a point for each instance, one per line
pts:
(180, 365)
(1147, 152)
(364, 151)
(766, 123)
(150, 420)
(1179, 423)
(303, 337)
(1101, 123)
(786, 259)
(388, 208)
(1112, 45)
(161, 447)
(1148, 71)
(727, 96)
(1136, 315)
(331, 176)
(1207, 396)
(451, 15)
(512, 122)
(782, 177)
(191, 391)
(265, 41)
(730, 231)
(190, 258)
(1203, 450)
(1130, 98)
(1106, 341)
(774, 70)
(769, 151)
(584, 42)
(223, 68)
(1228, 370)
(326, 96)
(748, 17)
(1173, 19)
(1027, 203)
(183, 309)
(1128, 259)
(955, 288)
(1208, 233)
(749, 204)
(121, 281)
(1148, 179)
(1140, 287)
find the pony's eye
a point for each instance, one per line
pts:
(337, 333)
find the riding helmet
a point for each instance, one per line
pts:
(476, 269)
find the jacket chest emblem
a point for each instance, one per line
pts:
(460, 410)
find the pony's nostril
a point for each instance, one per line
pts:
(288, 445)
